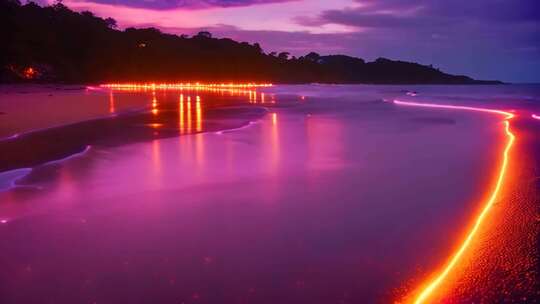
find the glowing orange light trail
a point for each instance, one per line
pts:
(198, 113)
(433, 284)
(185, 86)
(248, 89)
(441, 106)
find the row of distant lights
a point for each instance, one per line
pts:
(176, 86)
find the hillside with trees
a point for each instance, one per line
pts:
(56, 44)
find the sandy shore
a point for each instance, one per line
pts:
(502, 263)
(482, 267)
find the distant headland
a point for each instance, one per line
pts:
(56, 44)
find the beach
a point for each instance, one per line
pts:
(285, 194)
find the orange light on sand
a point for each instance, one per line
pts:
(429, 288)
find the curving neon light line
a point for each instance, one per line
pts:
(535, 116)
(451, 107)
(433, 284)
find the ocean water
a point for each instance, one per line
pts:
(290, 194)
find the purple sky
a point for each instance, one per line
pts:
(486, 39)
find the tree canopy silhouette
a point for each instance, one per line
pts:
(56, 44)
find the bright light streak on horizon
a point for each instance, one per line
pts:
(535, 116)
(248, 89)
(184, 86)
(430, 287)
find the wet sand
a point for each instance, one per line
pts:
(38, 147)
(339, 196)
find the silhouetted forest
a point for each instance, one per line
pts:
(55, 44)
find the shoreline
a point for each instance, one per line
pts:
(330, 164)
(430, 288)
(44, 161)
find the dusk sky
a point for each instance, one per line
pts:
(485, 39)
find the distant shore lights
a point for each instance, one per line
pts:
(184, 86)
(249, 90)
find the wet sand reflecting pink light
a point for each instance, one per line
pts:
(331, 198)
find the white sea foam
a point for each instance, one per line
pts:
(8, 179)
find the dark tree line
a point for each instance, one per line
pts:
(55, 44)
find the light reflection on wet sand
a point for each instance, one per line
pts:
(160, 119)
(274, 152)
(112, 109)
(181, 114)
(313, 203)
(325, 143)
